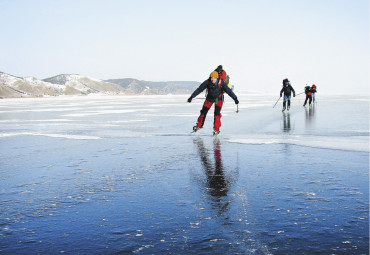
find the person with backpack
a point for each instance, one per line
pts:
(308, 92)
(222, 74)
(287, 89)
(313, 91)
(215, 89)
(224, 77)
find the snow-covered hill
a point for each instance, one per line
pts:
(74, 84)
(85, 84)
(156, 88)
(12, 86)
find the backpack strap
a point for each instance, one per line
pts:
(219, 86)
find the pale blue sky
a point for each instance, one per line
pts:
(258, 42)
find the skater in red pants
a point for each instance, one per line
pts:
(215, 90)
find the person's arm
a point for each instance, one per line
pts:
(199, 90)
(293, 91)
(281, 91)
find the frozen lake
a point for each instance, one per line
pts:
(123, 175)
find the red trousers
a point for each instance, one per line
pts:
(217, 116)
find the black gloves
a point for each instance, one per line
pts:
(280, 95)
(294, 95)
(236, 101)
(189, 99)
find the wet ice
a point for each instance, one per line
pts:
(123, 174)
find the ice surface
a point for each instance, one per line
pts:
(124, 175)
(337, 126)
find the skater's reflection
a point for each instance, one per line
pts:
(216, 182)
(286, 122)
(310, 115)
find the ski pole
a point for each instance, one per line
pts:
(299, 93)
(199, 98)
(276, 102)
(237, 108)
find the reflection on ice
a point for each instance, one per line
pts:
(310, 115)
(217, 183)
(286, 122)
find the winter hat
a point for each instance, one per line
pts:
(214, 74)
(219, 69)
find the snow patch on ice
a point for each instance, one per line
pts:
(351, 143)
(98, 113)
(128, 121)
(76, 137)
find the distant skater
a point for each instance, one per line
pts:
(221, 73)
(313, 91)
(308, 92)
(287, 89)
(215, 89)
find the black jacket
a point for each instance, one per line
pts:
(287, 91)
(307, 90)
(214, 90)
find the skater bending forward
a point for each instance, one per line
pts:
(308, 92)
(215, 90)
(287, 89)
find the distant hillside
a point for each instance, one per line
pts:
(156, 88)
(74, 84)
(85, 85)
(12, 86)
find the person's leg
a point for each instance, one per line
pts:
(313, 97)
(203, 113)
(310, 99)
(305, 101)
(284, 103)
(288, 102)
(218, 115)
